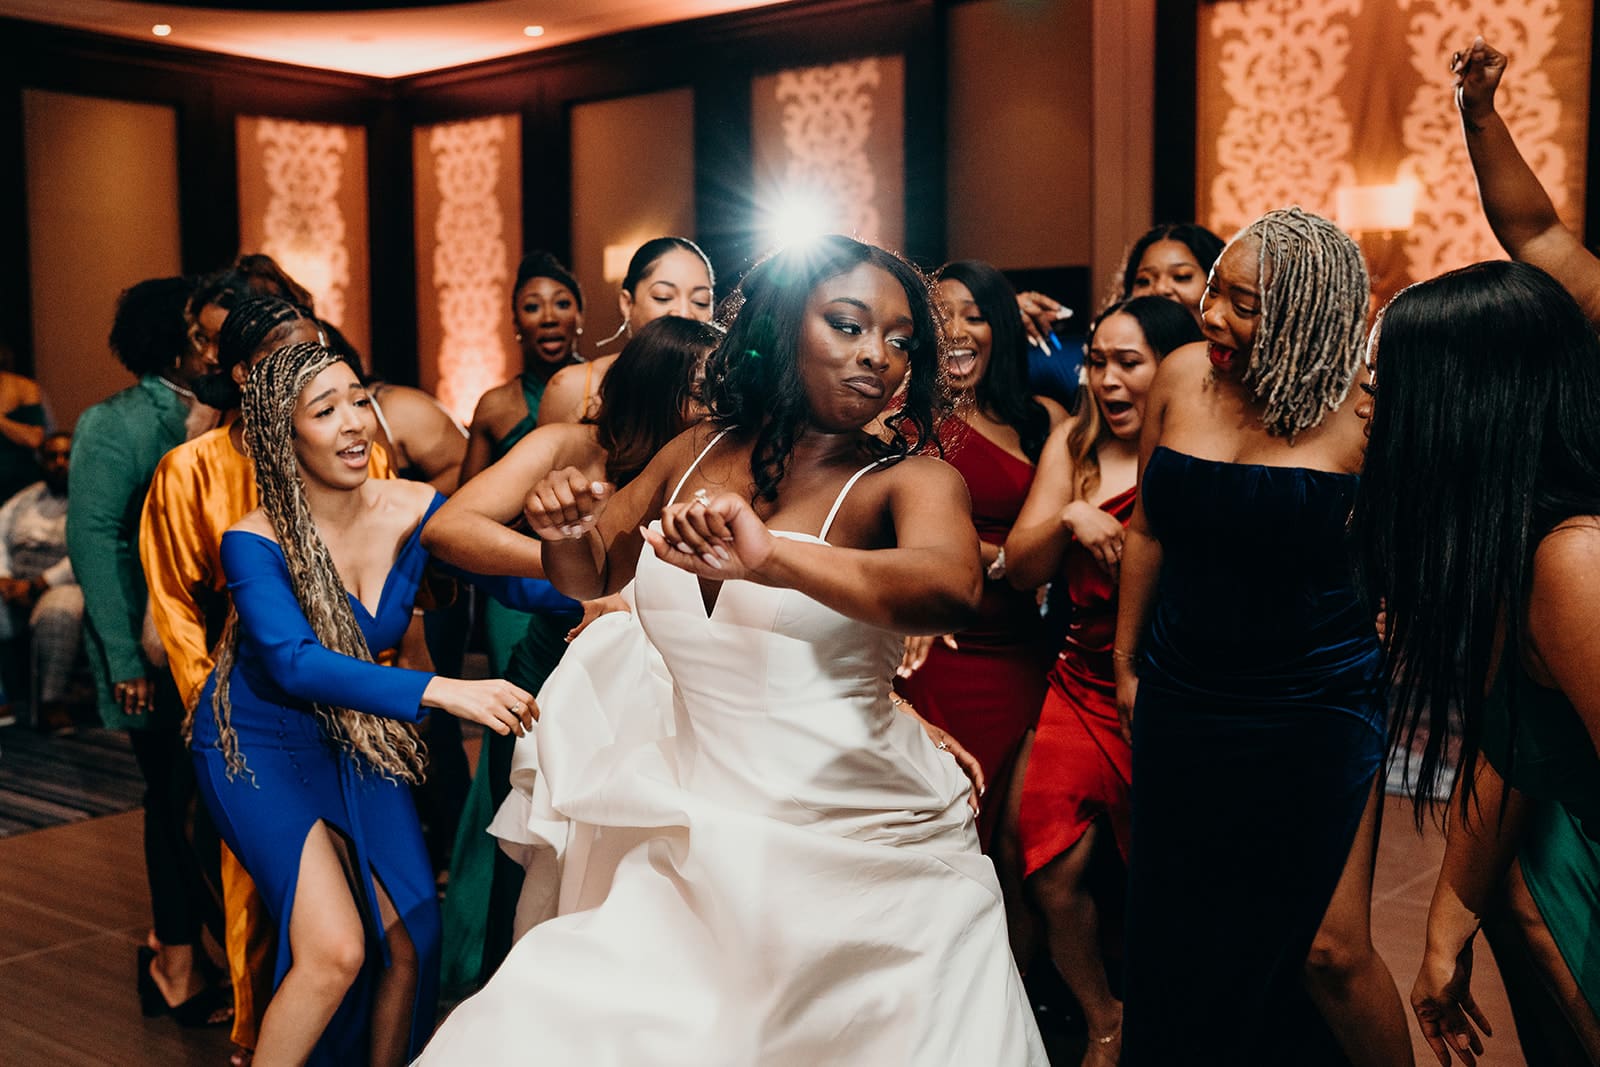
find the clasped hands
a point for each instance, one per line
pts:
(713, 535)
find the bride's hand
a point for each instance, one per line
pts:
(565, 505)
(944, 742)
(717, 537)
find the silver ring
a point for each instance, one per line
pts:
(943, 746)
(702, 497)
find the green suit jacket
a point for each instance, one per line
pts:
(115, 449)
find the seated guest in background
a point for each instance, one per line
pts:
(37, 584)
(114, 452)
(22, 426)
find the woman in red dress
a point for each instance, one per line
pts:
(984, 684)
(1076, 771)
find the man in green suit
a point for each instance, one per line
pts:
(115, 448)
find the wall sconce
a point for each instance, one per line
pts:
(614, 262)
(1362, 209)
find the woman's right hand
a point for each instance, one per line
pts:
(1442, 1001)
(1096, 531)
(493, 702)
(1127, 693)
(1478, 71)
(565, 505)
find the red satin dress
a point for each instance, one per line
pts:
(1080, 766)
(987, 692)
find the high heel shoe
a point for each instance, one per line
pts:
(207, 1008)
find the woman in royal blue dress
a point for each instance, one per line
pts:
(304, 747)
(1251, 668)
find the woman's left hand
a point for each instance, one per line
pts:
(1445, 1010)
(945, 743)
(717, 537)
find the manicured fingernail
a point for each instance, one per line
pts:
(982, 790)
(684, 548)
(597, 488)
(711, 561)
(722, 552)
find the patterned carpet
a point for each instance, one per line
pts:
(47, 781)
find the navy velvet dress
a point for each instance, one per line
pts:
(1257, 734)
(296, 776)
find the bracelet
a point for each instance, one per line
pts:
(895, 698)
(1117, 653)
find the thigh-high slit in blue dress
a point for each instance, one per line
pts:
(296, 776)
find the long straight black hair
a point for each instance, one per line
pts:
(1485, 435)
(1003, 391)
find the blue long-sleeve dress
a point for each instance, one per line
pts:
(296, 776)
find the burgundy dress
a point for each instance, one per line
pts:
(1080, 765)
(987, 692)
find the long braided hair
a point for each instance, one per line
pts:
(1314, 295)
(270, 397)
(254, 323)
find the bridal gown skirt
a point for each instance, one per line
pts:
(692, 899)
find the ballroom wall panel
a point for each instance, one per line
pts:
(303, 201)
(1299, 100)
(468, 184)
(102, 199)
(1019, 149)
(633, 173)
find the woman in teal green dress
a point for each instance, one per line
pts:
(1478, 524)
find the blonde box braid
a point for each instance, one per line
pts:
(1314, 296)
(270, 397)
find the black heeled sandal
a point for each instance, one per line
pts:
(208, 1008)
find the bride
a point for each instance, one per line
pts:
(761, 860)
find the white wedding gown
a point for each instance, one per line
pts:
(740, 854)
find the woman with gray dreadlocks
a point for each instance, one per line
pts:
(1250, 668)
(304, 747)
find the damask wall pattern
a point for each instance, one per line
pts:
(1298, 98)
(835, 134)
(303, 201)
(468, 216)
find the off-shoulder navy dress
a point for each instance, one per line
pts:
(1257, 734)
(297, 777)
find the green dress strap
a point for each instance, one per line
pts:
(532, 392)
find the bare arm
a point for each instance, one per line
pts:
(472, 529)
(480, 435)
(1040, 536)
(1519, 210)
(564, 395)
(930, 582)
(434, 441)
(1480, 843)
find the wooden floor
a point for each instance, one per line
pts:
(74, 907)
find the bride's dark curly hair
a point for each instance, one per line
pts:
(753, 379)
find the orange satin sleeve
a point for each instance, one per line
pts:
(199, 490)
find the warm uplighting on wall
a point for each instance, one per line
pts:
(1362, 209)
(533, 31)
(161, 29)
(614, 261)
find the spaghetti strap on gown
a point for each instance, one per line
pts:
(295, 777)
(740, 853)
